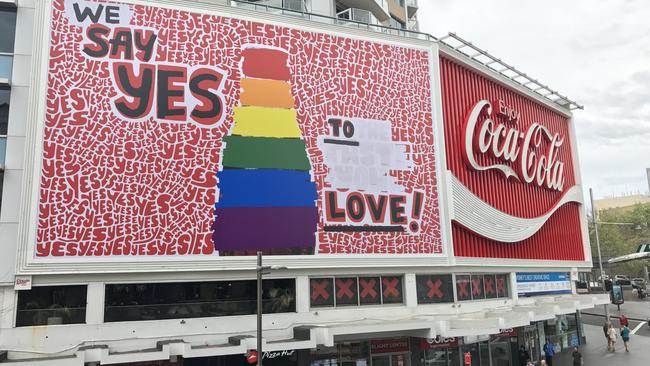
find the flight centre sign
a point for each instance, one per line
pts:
(171, 133)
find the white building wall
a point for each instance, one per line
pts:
(14, 168)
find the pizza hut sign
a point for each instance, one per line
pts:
(533, 153)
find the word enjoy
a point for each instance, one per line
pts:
(534, 151)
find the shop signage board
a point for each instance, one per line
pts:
(514, 187)
(438, 342)
(172, 134)
(23, 283)
(395, 345)
(543, 283)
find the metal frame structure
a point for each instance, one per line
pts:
(451, 40)
(481, 56)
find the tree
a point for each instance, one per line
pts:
(617, 240)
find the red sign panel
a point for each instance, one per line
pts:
(513, 182)
(171, 133)
(389, 345)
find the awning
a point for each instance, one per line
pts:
(473, 324)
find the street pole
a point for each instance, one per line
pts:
(259, 308)
(600, 258)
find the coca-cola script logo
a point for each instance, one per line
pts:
(533, 153)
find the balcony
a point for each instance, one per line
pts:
(379, 8)
(287, 7)
(412, 7)
(357, 15)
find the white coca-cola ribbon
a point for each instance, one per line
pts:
(485, 220)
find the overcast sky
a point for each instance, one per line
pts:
(595, 52)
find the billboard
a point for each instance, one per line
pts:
(514, 189)
(171, 133)
(543, 283)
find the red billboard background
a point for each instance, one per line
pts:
(113, 186)
(560, 238)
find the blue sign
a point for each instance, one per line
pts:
(574, 340)
(543, 283)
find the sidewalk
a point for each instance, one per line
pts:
(595, 351)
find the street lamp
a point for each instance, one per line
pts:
(261, 270)
(600, 258)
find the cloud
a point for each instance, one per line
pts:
(597, 53)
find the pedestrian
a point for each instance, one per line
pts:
(543, 362)
(611, 344)
(605, 329)
(577, 357)
(549, 352)
(623, 320)
(625, 334)
(529, 363)
(524, 356)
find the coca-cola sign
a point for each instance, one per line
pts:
(528, 155)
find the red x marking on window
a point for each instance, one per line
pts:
(319, 289)
(462, 288)
(489, 285)
(368, 288)
(434, 289)
(501, 286)
(390, 287)
(343, 288)
(476, 286)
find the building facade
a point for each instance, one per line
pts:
(415, 205)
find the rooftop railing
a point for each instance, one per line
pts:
(452, 41)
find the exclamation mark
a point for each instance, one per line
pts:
(416, 211)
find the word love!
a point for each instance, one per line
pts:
(533, 152)
(146, 87)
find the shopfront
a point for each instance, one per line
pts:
(496, 350)
(376, 352)
(564, 332)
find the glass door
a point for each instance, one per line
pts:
(500, 353)
(399, 359)
(485, 353)
(473, 351)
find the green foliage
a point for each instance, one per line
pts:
(617, 240)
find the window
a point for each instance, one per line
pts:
(463, 290)
(51, 305)
(321, 292)
(478, 292)
(432, 289)
(394, 23)
(7, 36)
(355, 291)
(152, 301)
(370, 290)
(4, 121)
(481, 286)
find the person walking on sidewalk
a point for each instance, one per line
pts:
(625, 334)
(549, 352)
(623, 320)
(611, 342)
(577, 357)
(606, 329)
